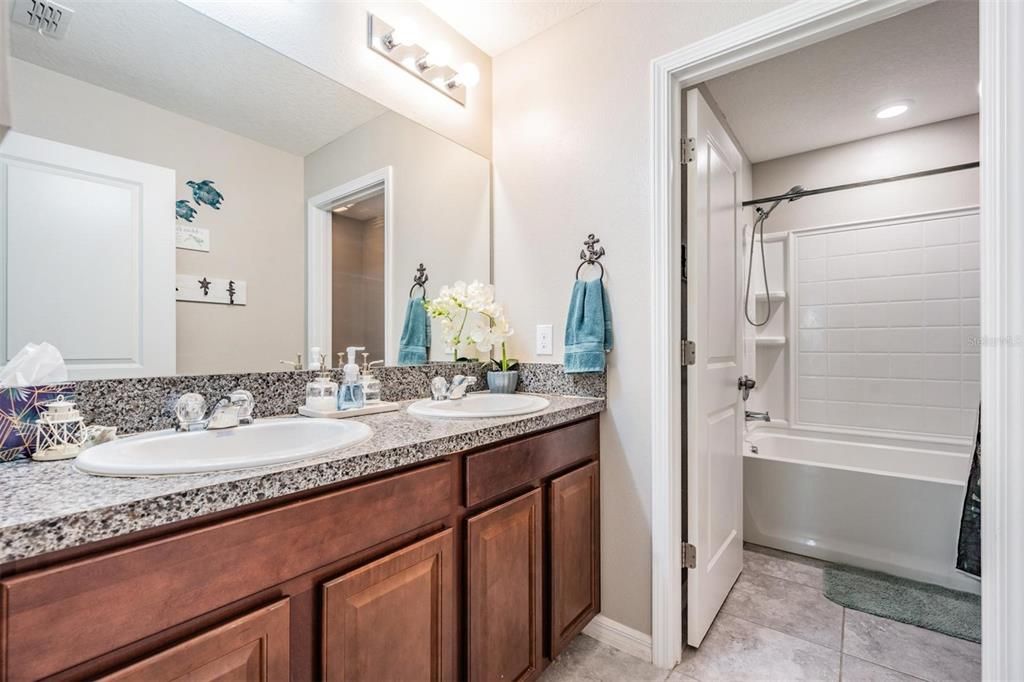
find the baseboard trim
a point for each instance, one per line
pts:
(622, 637)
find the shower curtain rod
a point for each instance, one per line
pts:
(863, 183)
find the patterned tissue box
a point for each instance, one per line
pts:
(19, 410)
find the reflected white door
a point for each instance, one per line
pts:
(714, 406)
(88, 258)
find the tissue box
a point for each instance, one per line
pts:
(20, 405)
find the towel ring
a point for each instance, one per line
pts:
(419, 280)
(591, 255)
(586, 262)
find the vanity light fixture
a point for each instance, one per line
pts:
(400, 45)
(438, 54)
(892, 110)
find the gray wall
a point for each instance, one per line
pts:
(571, 132)
(945, 143)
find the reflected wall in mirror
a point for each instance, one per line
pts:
(185, 200)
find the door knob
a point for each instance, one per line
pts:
(745, 383)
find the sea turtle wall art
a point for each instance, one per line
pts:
(203, 192)
(184, 210)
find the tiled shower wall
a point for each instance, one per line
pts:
(888, 321)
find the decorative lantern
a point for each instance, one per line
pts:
(60, 431)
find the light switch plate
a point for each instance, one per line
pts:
(544, 334)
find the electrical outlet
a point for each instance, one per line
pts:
(544, 334)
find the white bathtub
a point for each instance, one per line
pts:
(891, 506)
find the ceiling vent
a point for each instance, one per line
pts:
(44, 16)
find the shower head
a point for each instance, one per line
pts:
(792, 190)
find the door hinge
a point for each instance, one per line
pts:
(687, 150)
(689, 352)
(689, 555)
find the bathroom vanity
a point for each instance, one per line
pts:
(478, 561)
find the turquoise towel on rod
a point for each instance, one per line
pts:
(415, 341)
(588, 328)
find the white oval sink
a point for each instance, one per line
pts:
(478, 405)
(273, 441)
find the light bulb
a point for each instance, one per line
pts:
(438, 54)
(469, 75)
(404, 32)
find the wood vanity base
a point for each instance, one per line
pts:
(478, 566)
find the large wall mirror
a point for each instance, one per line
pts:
(185, 200)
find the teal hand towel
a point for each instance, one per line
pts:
(415, 341)
(588, 329)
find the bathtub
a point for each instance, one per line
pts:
(891, 506)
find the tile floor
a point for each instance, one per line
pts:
(777, 625)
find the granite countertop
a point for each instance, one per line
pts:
(48, 506)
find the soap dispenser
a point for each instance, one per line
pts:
(351, 394)
(322, 393)
(371, 384)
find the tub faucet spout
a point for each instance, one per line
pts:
(758, 416)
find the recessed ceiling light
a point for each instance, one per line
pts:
(892, 110)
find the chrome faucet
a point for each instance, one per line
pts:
(757, 416)
(227, 411)
(440, 389)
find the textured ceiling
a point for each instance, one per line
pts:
(497, 25)
(168, 55)
(827, 93)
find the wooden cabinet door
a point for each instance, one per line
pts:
(393, 619)
(253, 647)
(504, 555)
(574, 517)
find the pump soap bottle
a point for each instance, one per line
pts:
(322, 393)
(371, 384)
(351, 394)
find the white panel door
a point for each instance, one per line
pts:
(88, 258)
(714, 408)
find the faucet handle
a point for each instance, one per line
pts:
(190, 409)
(439, 388)
(460, 384)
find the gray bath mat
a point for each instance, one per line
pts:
(907, 601)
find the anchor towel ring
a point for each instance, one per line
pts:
(419, 280)
(590, 255)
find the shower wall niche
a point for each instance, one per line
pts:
(771, 341)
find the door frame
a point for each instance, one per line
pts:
(319, 261)
(1002, 248)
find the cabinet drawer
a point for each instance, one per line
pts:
(251, 648)
(143, 589)
(492, 473)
